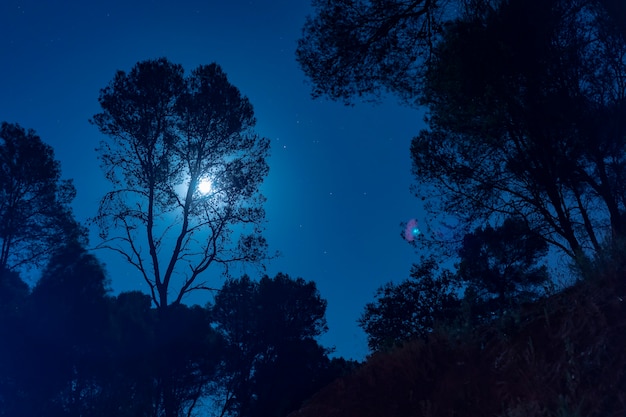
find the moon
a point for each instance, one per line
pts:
(205, 186)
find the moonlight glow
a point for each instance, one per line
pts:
(205, 186)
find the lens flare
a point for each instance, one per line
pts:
(411, 232)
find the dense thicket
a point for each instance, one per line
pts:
(497, 272)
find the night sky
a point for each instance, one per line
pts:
(338, 187)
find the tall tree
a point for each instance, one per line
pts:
(273, 361)
(168, 135)
(35, 214)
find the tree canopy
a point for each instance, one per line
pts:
(361, 48)
(411, 309)
(167, 133)
(273, 361)
(35, 213)
(525, 105)
(500, 266)
(528, 127)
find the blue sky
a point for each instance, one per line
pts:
(338, 187)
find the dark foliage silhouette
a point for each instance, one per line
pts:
(411, 310)
(273, 361)
(525, 105)
(499, 268)
(167, 133)
(564, 357)
(35, 216)
(60, 345)
(528, 127)
(358, 49)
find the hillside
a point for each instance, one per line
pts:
(562, 356)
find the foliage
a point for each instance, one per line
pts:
(167, 133)
(411, 309)
(565, 357)
(498, 271)
(500, 267)
(59, 343)
(527, 127)
(273, 361)
(188, 351)
(358, 48)
(13, 294)
(34, 202)
(71, 349)
(128, 388)
(525, 101)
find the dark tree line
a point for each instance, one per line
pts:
(70, 348)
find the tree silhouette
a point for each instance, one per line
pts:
(498, 271)
(499, 267)
(13, 296)
(62, 338)
(273, 361)
(35, 216)
(527, 127)
(128, 388)
(412, 309)
(525, 105)
(167, 133)
(361, 48)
